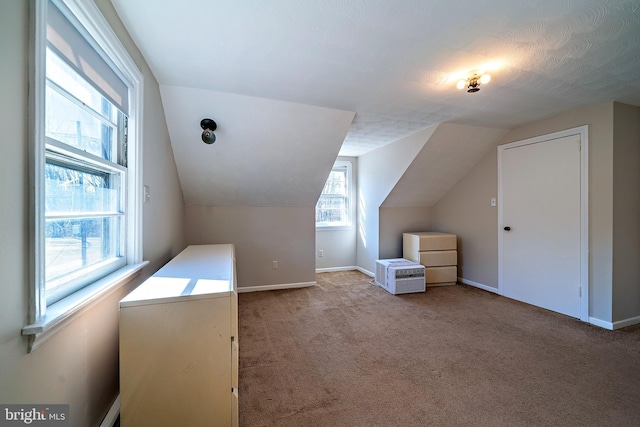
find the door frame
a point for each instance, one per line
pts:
(583, 133)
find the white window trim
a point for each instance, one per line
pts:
(350, 194)
(45, 321)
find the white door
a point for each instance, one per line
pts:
(540, 229)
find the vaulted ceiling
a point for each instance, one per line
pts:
(267, 152)
(393, 62)
(293, 83)
(449, 152)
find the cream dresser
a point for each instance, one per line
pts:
(179, 343)
(437, 252)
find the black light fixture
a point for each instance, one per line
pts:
(208, 137)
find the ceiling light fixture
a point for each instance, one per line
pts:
(208, 137)
(473, 83)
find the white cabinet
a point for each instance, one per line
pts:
(437, 252)
(179, 343)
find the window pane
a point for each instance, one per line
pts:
(333, 207)
(332, 210)
(74, 244)
(67, 122)
(337, 217)
(59, 72)
(72, 191)
(326, 202)
(336, 183)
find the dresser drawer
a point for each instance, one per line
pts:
(438, 258)
(441, 275)
(429, 241)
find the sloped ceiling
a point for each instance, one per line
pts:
(267, 153)
(284, 78)
(448, 155)
(394, 62)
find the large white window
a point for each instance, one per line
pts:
(86, 109)
(85, 182)
(334, 207)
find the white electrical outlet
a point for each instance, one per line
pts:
(274, 265)
(320, 253)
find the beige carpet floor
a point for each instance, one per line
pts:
(347, 353)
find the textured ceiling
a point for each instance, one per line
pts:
(391, 61)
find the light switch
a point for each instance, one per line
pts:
(493, 201)
(147, 193)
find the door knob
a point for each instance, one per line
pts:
(507, 229)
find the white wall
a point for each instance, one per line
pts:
(378, 173)
(400, 183)
(338, 247)
(464, 209)
(260, 235)
(397, 220)
(626, 212)
(78, 365)
(452, 150)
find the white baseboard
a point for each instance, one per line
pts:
(348, 268)
(592, 320)
(601, 323)
(615, 325)
(626, 322)
(112, 415)
(332, 269)
(367, 272)
(478, 285)
(275, 287)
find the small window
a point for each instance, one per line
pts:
(334, 205)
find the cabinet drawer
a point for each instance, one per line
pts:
(412, 243)
(438, 258)
(440, 275)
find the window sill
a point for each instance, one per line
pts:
(60, 313)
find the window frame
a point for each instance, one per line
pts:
(45, 320)
(348, 165)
